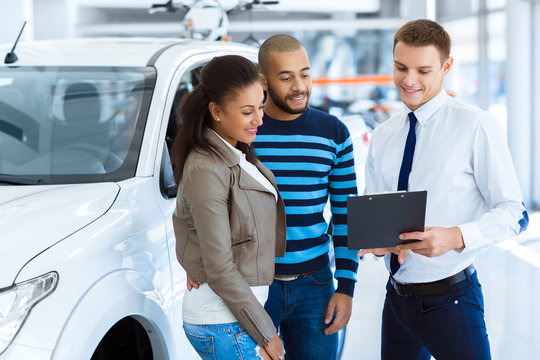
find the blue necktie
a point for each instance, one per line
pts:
(403, 182)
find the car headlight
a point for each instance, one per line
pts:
(17, 301)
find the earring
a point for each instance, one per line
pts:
(218, 119)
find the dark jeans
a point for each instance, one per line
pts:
(297, 308)
(449, 326)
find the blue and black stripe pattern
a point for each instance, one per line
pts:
(312, 160)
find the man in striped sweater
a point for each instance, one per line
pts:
(311, 155)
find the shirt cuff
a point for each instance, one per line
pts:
(472, 237)
(345, 286)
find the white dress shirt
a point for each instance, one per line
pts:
(461, 158)
(203, 305)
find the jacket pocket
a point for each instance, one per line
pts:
(322, 277)
(241, 241)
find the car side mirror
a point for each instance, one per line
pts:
(166, 179)
(171, 191)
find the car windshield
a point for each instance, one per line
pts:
(63, 125)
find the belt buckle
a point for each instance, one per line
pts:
(286, 277)
(401, 289)
(405, 290)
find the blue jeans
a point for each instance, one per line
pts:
(297, 308)
(222, 341)
(449, 326)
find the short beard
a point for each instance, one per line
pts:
(282, 104)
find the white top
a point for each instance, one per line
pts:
(461, 158)
(203, 305)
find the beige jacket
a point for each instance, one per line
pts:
(228, 230)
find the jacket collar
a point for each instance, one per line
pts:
(248, 182)
(227, 155)
(231, 159)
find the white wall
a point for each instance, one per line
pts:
(52, 19)
(12, 15)
(519, 91)
(46, 19)
(535, 150)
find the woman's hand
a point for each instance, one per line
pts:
(264, 355)
(274, 349)
(192, 284)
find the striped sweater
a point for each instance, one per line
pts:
(312, 160)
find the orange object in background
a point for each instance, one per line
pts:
(358, 79)
(379, 107)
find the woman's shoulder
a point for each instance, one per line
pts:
(205, 160)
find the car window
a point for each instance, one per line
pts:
(189, 80)
(72, 124)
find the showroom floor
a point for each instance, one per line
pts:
(510, 277)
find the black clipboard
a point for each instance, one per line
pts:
(375, 221)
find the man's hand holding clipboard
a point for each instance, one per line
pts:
(386, 223)
(432, 242)
(402, 254)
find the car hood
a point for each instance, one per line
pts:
(33, 218)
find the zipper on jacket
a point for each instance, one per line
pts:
(250, 319)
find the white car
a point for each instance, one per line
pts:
(87, 249)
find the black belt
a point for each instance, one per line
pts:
(438, 287)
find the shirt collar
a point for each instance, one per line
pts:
(426, 111)
(237, 153)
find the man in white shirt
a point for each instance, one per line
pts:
(458, 153)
